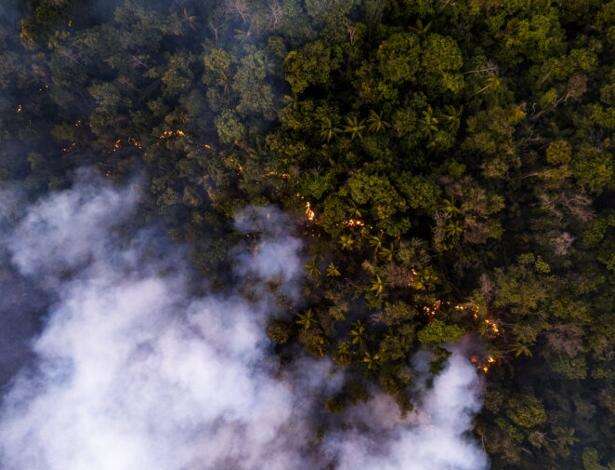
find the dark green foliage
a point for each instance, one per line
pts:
(449, 165)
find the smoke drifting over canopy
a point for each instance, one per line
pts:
(433, 438)
(134, 371)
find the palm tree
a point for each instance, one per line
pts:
(452, 116)
(357, 333)
(306, 320)
(354, 127)
(375, 122)
(327, 130)
(189, 19)
(371, 360)
(430, 122)
(377, 286)
(520, 349)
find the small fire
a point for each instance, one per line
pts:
(483, 365)
(284, 176)
(19, 108)
(493, 325)
(354, 223)
(170, 133)
(117, 145)
(468, 306)
(310, 215)
(135, 143)
(475, 311)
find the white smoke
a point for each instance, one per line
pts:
(433, 437)
(135, 372)
(277, 258)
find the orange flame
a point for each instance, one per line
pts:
(310, 215)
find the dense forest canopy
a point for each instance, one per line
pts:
(449, 164)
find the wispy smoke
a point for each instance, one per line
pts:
(277, 258)
(134, 371)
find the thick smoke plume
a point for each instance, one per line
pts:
(433, 437)
(134, 371)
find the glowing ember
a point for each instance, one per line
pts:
(310, 215)
(70, 148)
(431, 311)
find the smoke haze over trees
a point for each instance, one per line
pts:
(135, 371)
(316, 234)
